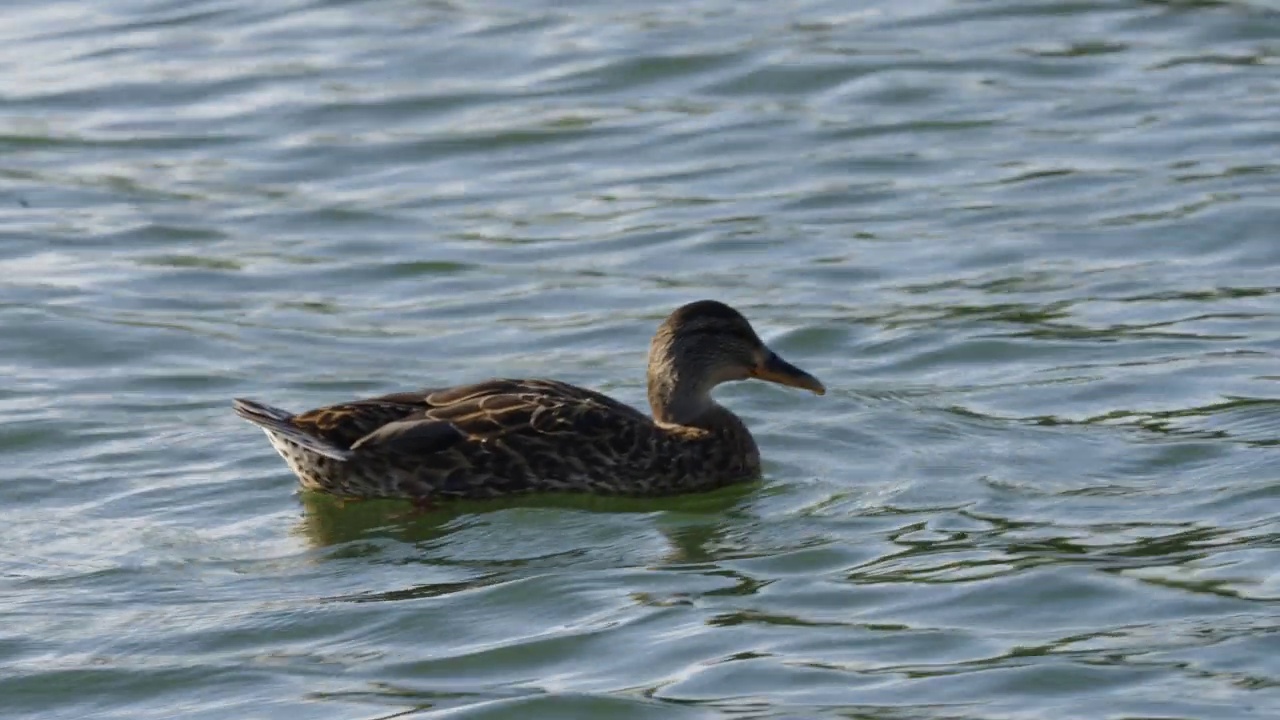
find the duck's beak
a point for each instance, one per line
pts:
(775, 369)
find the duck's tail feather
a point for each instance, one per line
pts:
(280, 422)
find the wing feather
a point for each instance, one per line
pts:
(432, 420)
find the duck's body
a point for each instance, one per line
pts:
(501, 437)
(504, 437)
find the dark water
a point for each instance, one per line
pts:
(1031, 248)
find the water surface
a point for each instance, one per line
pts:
(1030, 247)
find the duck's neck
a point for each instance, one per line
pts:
(686, 407)
(674, 397)
(692, 412)
(677, 402)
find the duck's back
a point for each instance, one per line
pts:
(482, 410)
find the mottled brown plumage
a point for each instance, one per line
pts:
(503, 437)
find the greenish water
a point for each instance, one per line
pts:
(1032, 248)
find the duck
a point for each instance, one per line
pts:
(503, 436)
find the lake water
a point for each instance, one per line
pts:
(1032, 248)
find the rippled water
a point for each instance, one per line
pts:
(1031, 248)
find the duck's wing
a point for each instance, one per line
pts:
(433, 420)
(344, 424)
(329, 431)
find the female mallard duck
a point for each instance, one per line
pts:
(502, 437)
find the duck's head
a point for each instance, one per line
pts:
(703, 344)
